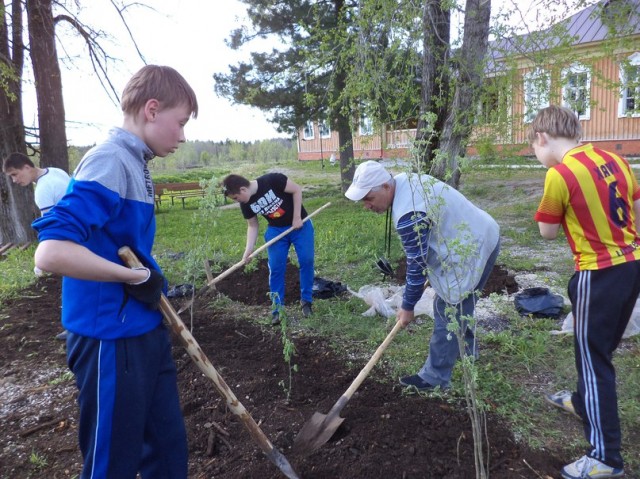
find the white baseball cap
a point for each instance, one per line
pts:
(368, 175)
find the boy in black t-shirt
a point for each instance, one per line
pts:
(279, 200)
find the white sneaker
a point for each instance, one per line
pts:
(589, 468)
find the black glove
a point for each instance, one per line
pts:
(148, 291)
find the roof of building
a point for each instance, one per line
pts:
(606, 19)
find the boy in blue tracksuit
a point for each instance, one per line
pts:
(117, 347)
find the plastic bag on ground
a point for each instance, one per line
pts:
(386, 300)
(633, 328)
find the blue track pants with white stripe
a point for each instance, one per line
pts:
(130, 417)
(602, 302)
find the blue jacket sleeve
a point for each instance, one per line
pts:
(84, 209)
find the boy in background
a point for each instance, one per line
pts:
(279, 201)
(117, 346)
(51, 183)
(594, 195)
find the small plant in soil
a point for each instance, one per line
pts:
(288, 347)
(37, 461)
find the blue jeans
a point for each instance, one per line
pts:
(302, 241)
(443, 350)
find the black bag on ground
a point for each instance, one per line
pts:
(180, 291)
(539, 302)
(324, 289)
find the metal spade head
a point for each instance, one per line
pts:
(384, 266)
(315, 432)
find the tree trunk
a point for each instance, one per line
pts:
(44, 57)
(459, 123)
(435, 80)
(343, 125)
(17, 206)
(345, 139)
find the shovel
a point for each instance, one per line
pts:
(203, 363)
(240, 264)
(319, 429)
(383, 263)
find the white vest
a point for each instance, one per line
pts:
(461, 238)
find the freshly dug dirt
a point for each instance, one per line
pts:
(386, 433)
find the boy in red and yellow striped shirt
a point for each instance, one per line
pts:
(594, 195)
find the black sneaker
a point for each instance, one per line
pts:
(416, 382)
(275, 319)
(306, 309)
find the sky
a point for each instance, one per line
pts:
(187, 35)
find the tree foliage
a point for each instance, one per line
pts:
(48, 140)
(389, 60)
(195, 154)
(304, 77)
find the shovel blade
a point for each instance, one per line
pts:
(384, 266)
(281, 462)
(315, 432)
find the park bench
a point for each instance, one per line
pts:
(6, 248)
(180, 191)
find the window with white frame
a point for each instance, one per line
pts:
(325, 131)
(366, 126)
(307, 132)
(536, 93)
(630, 81)
(576, 87)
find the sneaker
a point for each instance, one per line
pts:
(589, 468)
(562, 400)
(417, 382)
(306, 309)
(275, 319)
(62, 336)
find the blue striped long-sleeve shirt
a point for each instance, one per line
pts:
(414, 229)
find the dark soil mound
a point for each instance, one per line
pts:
(253, 287)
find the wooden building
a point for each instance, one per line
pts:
(577, 63)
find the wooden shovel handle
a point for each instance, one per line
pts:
(199, 357)
(342, 402)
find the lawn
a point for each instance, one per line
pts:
(518, 362)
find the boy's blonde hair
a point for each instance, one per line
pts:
(557, 122)
(161, 83)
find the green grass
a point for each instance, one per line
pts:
(516, 365)
(17, 272)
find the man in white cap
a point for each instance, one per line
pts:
(447, 240)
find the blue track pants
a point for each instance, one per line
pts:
(130, 417)
(602, 302)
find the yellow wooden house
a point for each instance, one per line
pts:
(589, 62)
